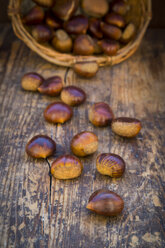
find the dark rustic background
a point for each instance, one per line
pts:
(158, 20)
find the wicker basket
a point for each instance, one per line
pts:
(140, 14)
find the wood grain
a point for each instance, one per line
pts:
(134, 88)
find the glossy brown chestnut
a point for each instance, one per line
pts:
(58, 112)
(34, 16)
(110, 164)
(128, 33)
(52, 86)
(52, 21)
(86, 69)
(109, 47)
(31, 81)
(110, 31)
(77, 25)
(62, 41)
(95, 8)
(84, 143)
(115, 19)
(40, 146)
(44, 3)
(73, 95)
(66, 167)
(105, 202)
(64, 9)
(126, 127)
(100, 114)
(41, 33)
(94, 28)
(120, 7)
(83, 45)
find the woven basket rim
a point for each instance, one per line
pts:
(69, 59)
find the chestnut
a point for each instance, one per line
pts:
(126, 127)
(110, 164)
(73, 95)
(120, 7)
(128, 33)
(94, 28)
(95, 8)
(52, 21)
(58, 112)
(34, 16)
(83, 45)
(64, 9)
(105, 202)
(40, 146)
(77, 25)
(31, 81)
(41, 33)
(100, 114)
(44, 3)
(66, 167)
(86, 69)
(110, 31)
(62, 41)
(84, 143)
(52, 86)
(109, 47)
(115, 19)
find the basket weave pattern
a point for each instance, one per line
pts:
(140, 14)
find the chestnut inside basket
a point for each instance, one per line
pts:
(140, 14)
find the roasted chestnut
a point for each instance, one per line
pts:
(94, 28)
(58, 112)
(126, 127)
(95, 8)
(66, 167)
(73, 95)
(52, 86)
(86, 69)
(109, 47)
(44, 3)
(83, 45)
(84, 143)
(115, 19)
(31, 81)
(34, 16)
(100, 114)
(77, 25)
(41, 33)
(105, 202)
(64, 9)
(52, 21)
(128, 33)
(62, 41)
(120, 7)
(110, 31)
(110, 164)
(40, 146)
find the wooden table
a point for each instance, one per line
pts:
(135, 88)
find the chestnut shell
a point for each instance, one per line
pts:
(58, 112)
(40, 146)
(66, 167)
(100, 114)
(73, 95)
(110, 164)
(105, 202)
(52, 86)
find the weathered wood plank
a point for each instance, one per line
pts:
(133, 88)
